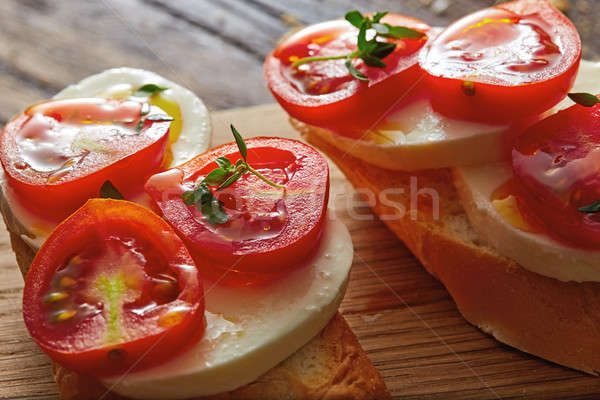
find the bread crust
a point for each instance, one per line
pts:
(331, 366)
(558, 321)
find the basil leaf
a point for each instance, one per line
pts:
(139, 125)
(216, 177)
(378, 15)
(109, 191)
(591, 208)
(149, 89)
(240, 142)
(223, 162)
(584, 99)
(355, 18)
(402, 32)
(356, 73)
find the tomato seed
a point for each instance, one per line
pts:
(116, 354)
(64, 316)
(468, 88)
(55, 297)
(67, 282)
(171, 318)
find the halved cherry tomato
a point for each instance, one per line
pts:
(58, 154)
(270, 230)
(112, 289)
(503, 63)
(324, 93)
(557, 171)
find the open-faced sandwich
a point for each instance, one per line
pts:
(155, 272)
(473, 156)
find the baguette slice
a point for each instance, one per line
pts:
(332, 365)
(558, 321)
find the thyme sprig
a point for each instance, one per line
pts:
(372, 51)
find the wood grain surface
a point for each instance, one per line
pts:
(404, 318)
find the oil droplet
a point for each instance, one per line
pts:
(63, 316)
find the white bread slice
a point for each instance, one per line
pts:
(558, 321)
(331, 366)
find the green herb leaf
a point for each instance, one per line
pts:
(402, 32)
(382, 50)
(240, 142)
(214, 212)
(371, 51)
(159, 118)
(149, 89)
(205, 201)
(109, 191)
(362, 37)
(378, 15)
(216, 177)
(356, 73)
(223, 162)
(591, 208)
(139, 125)
(232, 179)
(373, 62)
(355, 18)
(584, 99)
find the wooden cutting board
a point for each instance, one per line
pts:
(404, 319)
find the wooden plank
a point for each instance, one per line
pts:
(65, 41)
(403, 317)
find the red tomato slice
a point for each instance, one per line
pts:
(503, 63)
(324, 93)
(270, 230)
(57, 154)
(556, 166)
(112, 289)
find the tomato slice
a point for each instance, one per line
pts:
(324, 94)
(556, 166)
(113, 289)
(57, 154)
(270, 230)
(502, 63)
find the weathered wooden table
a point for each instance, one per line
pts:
(403, 317)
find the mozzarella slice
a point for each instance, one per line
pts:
(193, 139)
(536, 252)
(195, 132)
(416, 137)
(252, 329)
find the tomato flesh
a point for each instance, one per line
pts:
(270, 230)
(58, 154)
(503, 63)
(324, 94)
(112, 282)
(556, 164)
